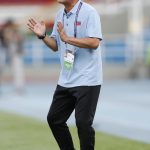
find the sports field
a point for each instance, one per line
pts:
(21, 133)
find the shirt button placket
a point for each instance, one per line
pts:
(67, 21)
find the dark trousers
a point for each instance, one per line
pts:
(84, 100)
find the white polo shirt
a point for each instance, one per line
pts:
(87, 67)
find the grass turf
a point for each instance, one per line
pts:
(21, 133)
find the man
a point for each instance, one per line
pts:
(77, 35)
(14, 50)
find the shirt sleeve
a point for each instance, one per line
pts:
(93, 28)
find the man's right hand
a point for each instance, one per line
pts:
(38, 28)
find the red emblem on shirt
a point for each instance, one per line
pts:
(78, 23)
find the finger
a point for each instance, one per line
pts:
(30, 26)
(35, 22)
(58, 24)
(31, 29)
(61, 25)
(32, 21)
(59, 30)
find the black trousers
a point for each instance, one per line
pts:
(84, 100)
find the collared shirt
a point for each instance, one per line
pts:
(87, 67)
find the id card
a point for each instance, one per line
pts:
(68, 60)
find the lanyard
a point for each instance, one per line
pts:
(76, 19)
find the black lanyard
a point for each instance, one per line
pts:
(76, 19)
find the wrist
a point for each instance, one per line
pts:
(66, 39)
(41, 37)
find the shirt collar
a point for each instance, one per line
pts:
(74, 9)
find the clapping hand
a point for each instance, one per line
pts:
(38, 28)
(62, 32)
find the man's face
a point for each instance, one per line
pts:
(64, 1)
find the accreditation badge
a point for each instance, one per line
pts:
(68, 60)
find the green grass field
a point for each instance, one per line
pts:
(21, 133)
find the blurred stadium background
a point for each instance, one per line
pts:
(125, 97)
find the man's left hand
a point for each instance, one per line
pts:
(62, 32)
